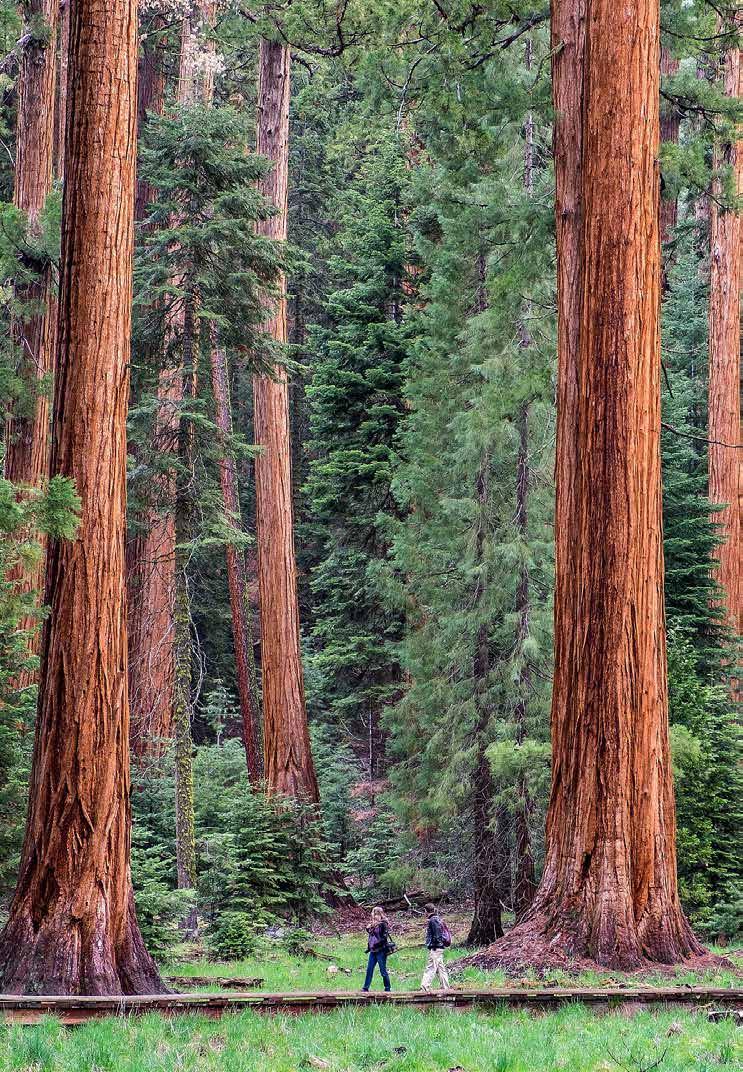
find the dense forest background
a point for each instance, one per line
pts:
(421, 350)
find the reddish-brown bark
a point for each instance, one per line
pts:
(150, 553)
(237, 578)
(724, 367)
(288, 757)
(72, 925)
(609, 889)
(27, 437)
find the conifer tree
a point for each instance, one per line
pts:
(355, 400)
(611, 822)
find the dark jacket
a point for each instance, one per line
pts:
(378, 938)
(434, 938)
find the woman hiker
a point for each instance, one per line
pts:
(377, 947)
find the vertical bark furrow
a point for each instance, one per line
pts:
(724, 366)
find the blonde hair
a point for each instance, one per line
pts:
(377, 914)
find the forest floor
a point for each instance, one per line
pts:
(337, 961)
(378, 1038)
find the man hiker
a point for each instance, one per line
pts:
(438, 938)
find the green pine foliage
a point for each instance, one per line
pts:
(355, 401)
(53, 513)
(482, 359)
(690, 536)
(706, 739)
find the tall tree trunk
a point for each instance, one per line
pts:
(288, 756)
(150, 555)
(237, 579)
(27, 437)
(670, 122)
(724, 367)
(491, 866)
(525, 882)
(609, 889)
(72, 925)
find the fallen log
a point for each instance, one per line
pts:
(224, 982)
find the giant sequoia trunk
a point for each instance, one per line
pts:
(724, 369)
(72, 926)
(609, 890)
(288, 757)
(237, 578)
(27, 437)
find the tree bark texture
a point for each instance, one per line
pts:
(27, 437)
(288, 757)
(609, 890)
(237, 578)
(150, 554)
(72, 925)
(724, 367)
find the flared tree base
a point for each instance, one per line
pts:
(67, 956)
(545, 942)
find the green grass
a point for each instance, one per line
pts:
(282, 972)
(379, 1040)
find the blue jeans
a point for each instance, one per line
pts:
(381, 960)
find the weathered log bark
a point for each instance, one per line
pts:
(670, 122)
(609, 890)
(72, 925)
(34, 328)
(724, 366)
(237, 578)
(288, 757)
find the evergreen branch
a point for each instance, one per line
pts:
(700, 439)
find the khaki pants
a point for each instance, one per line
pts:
(435, 966)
